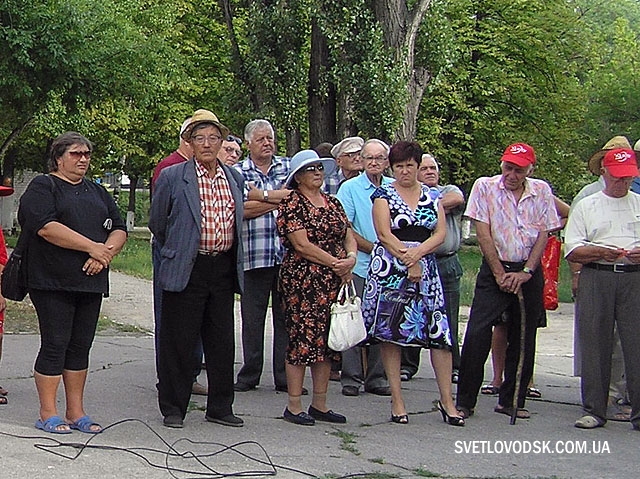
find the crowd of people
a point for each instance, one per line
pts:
(289, 232)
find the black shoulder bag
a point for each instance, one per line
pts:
(14, 281)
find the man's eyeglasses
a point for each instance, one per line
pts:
(76, 155)
(352, 155)
(318, 167)
(201, 139)
(377, 159)
(233, 151)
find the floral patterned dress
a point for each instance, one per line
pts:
(424, 321)
(309, 289)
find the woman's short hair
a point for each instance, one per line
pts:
(62, 143)
(403, 151)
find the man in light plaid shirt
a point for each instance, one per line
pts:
(264, 175)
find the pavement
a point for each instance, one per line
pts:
(121, 394)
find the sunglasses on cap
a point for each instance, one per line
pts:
(235, 138)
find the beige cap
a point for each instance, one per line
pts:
(350, 144)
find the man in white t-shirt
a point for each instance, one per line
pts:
(603, 234)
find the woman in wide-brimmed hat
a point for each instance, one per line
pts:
(321, 253)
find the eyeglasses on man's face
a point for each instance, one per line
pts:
(318, 167)
(377, 159)
(233, 151)
(351, 155)
(202, 139)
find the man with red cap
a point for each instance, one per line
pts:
(513, 215)
(603, 235)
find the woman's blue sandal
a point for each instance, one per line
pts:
(52, 424)
(84, 424)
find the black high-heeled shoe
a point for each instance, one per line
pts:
(452, 420)
(400, 419)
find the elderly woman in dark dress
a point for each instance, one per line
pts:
(74, 231)
(321, 253)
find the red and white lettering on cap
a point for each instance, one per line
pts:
(622, 156)
(517, 149)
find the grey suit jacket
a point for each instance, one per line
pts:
(175, 222)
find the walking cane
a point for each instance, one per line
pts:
(523, 320)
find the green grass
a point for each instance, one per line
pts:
(135, 257)
(470, 258)
(347, 441)
(135, 260)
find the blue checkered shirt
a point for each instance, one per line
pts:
(332, 182)
(262, 245)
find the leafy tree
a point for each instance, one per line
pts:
(504, 71)
(370, 81)
(612, 83)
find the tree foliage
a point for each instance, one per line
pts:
(506, 71)
(558, 74)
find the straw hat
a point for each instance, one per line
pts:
(595, 162)
(200, 117)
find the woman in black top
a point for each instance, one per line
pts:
(74, 231)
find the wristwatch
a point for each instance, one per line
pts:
(527, 270)
(265, 195)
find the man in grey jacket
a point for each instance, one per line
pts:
(196, 217)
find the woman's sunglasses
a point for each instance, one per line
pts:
(318, 167)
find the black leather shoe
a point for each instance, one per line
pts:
(302, 419)
(328, 416)
(243, 387)
(228, 420)
(284, 389)
(381, 391)
(350, 391)
(173, 421)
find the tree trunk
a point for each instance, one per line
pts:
(400, 27)
(416, 86)
(293, 141)
(346, 126)
(131, 207)
(322, 91)
(9, 166)
(15, 133)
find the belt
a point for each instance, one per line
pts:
(446, 255)
(616, 268)
(205, 252)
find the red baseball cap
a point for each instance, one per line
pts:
(520, 154)
(621, 163)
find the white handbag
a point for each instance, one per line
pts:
(346, 329)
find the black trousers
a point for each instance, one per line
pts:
(489, 302)
(67, 321)
(203, 309)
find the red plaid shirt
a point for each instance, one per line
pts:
(217, 209)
